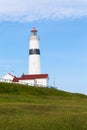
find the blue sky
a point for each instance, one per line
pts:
(62, 28)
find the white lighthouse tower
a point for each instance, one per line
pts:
(34, 53)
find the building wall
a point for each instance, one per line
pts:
(42, 82)
(35, 82)
(29, 82)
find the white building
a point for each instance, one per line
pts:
(34, 80)
(7, 78)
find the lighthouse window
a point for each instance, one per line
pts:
(34, 51)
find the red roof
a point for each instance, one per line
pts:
(30, 77)
(33, 30)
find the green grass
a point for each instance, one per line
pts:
(24, 107)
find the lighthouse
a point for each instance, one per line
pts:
(34, 76)
(34, 53)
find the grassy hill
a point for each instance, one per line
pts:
(24, 107)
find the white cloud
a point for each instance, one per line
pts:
(27, 10)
